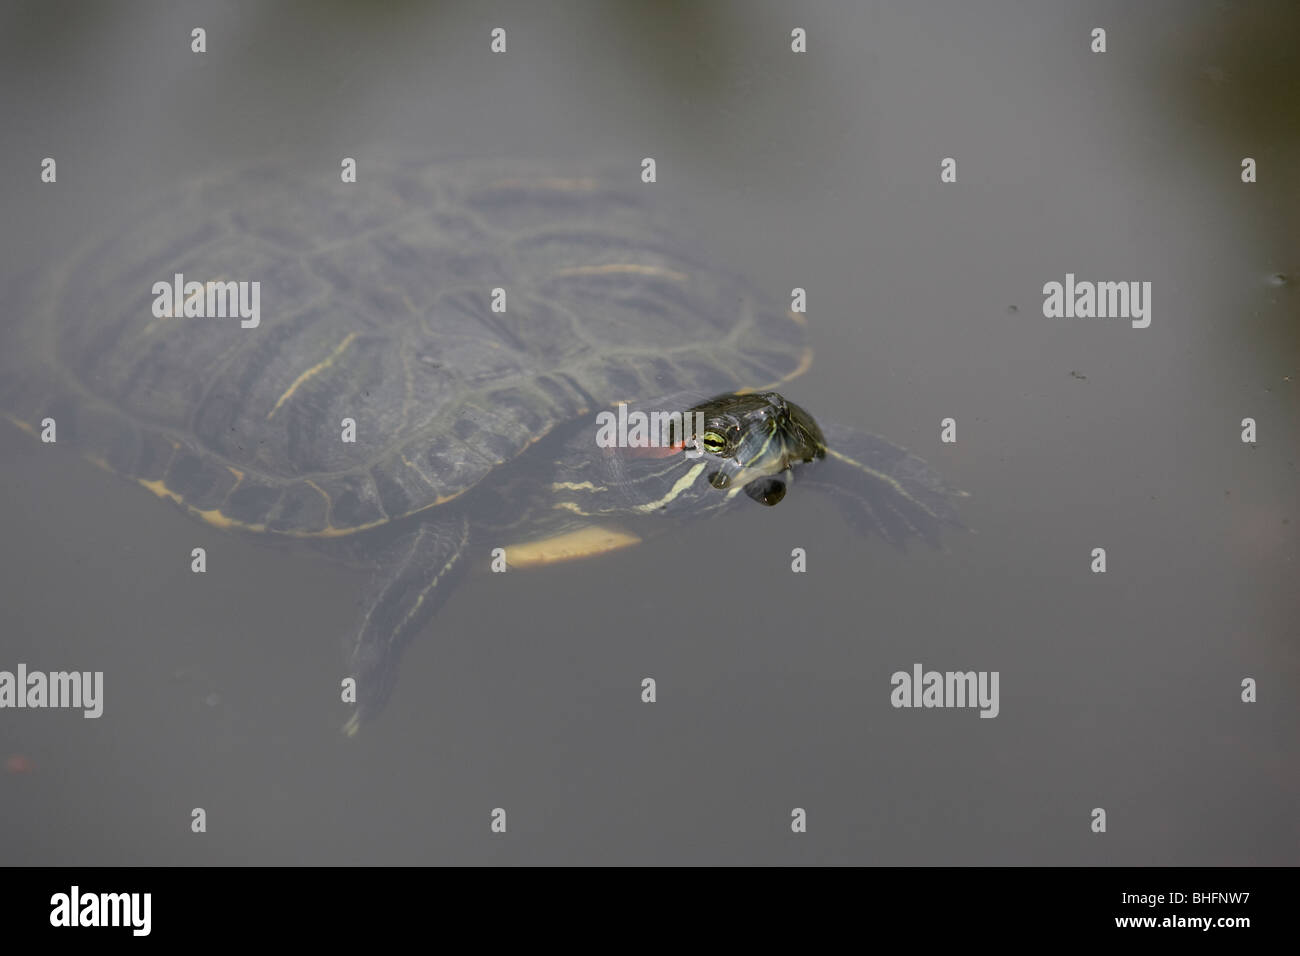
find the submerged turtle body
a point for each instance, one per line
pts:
(413, 339)
(377, 305)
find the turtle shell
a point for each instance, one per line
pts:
(453, 314)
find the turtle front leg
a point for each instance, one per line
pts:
(882, 488)
(414, 577)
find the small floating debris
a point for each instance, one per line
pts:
(18, 763)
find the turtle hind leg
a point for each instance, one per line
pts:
(415, 575)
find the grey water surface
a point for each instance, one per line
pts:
(818, 170)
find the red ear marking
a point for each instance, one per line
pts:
(656, 451)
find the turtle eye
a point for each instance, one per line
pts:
(713, 442)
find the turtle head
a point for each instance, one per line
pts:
(753, 440)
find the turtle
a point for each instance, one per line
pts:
(414, 369)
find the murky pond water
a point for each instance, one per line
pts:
(818, 170)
